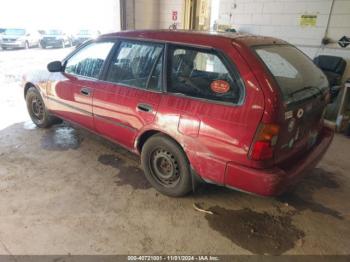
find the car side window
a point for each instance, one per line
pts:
(137, 64)
(201, 74)
(88, 61)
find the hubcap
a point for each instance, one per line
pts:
(165, 168)
(38, 108)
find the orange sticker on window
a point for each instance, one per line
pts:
(220, 86)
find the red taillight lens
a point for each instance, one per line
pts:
(261, 151)
(264, 142)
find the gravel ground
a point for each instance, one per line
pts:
(65, 191)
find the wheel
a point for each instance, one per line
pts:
(26, 45)
(37, 110)
(166, 166)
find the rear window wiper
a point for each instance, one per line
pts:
(303, 89)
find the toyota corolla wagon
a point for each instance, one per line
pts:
(241, 111)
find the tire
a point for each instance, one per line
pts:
(166, 166)
(37, 109)
(63, 45)
(26, 45)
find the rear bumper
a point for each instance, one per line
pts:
(51, 42)
(275, 181)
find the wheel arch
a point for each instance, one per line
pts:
(27, 86)
(147, 134)
(143, 137)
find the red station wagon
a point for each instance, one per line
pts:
(241, 111)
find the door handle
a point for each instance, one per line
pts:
(85, 91)
(145, 107)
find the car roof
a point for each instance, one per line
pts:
(196, 37)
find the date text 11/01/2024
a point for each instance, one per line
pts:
(173, 258)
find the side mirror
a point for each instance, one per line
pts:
(55, 66)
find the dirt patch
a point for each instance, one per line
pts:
(128, 174)
(61, 138)
(260, 233)
(302, 198)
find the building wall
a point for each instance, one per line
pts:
(166, 9)
(147, 14)
(281, 19)
(153, 14)
(277, 18)
(129, 15)
(142, 14)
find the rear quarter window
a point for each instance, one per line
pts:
(202, 74)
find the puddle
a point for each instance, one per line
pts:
(128, 174)
(260, 233)
(302, 198)
(61, 138)
(29, 125)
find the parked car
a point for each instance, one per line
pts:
(84, 35)
(55, 38)
(2, 30)
(19, 38)
(240, 111)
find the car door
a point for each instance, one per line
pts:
(128, 98)
(205, 93)
(70, 92)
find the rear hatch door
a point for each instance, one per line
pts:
(303, 88)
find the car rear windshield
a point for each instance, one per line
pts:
(85, 32)
(15, 32)
(53, 32)
(293, 71)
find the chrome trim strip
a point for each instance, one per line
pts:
(94, 115)
(70, 106)
(115, 123)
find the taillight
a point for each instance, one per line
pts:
(264, 142)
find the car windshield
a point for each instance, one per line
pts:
(53, 32)
(293, 71)
(84, 32)
(15, 32)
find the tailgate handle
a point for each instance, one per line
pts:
(145, 107)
